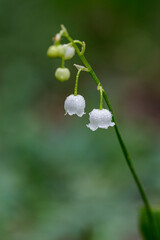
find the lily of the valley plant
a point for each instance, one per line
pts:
(75, 103)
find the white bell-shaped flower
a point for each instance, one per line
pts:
(75, 105)
(100, 119)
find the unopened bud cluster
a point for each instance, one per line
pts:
(61, 51)
(64, 52)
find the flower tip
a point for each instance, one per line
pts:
(91, 127)
(112, 124)
(81, 114)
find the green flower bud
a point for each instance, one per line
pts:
(56, 51)
(62, 74)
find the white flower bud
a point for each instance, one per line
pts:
(69, 51)
(57, 37)
(100, 119)
(62, 74)
(75, 105)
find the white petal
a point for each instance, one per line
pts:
(92, 127)
(112, 124)
(80, 114)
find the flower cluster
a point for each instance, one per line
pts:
(99, 118)
(75, 103)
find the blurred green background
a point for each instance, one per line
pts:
(59, 180)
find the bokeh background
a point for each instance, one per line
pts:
(59, 180)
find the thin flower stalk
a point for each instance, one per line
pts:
(120, 139)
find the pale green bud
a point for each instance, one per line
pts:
(55, 51)
(62, 74)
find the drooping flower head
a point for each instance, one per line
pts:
(75, 105)
(100, 119)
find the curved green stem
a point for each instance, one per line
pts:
(121, 142)
(76, 84)
(82, 44)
